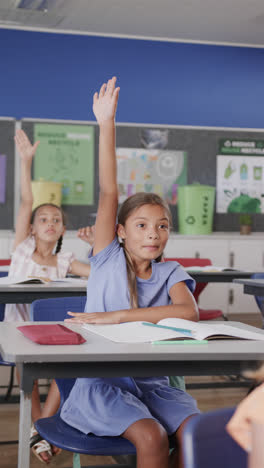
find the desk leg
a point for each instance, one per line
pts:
(262, 310)
(24, 430)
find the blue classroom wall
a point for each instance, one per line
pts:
(49, 75)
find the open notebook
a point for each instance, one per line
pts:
(12, 280)
(170, 329)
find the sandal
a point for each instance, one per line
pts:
(39, 446)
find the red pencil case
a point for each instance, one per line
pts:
(51, 334)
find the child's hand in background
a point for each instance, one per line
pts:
(25, 148)
(248, 412)
(105, 103)
(87, 234)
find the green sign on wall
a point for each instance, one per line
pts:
(66, 154)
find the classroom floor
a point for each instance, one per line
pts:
(208, 399)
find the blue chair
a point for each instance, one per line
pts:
(207, 444)
(48, 310)
(259, 299)
(2, 362)
(60, 434)
(54, 429)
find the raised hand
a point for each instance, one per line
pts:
(87, 234)
(105, 102)
(25, 148)
(26, 151)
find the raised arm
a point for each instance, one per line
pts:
(26, 152)
(104, 107)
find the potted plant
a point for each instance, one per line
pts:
(245, 221)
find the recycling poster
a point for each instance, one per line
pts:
(240, 176)
(151, 170)
(66, 155)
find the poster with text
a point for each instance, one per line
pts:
(66, 154)
(145, 170)
(240, 176)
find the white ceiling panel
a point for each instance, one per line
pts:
(217, 21)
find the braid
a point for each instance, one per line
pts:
(59, 244)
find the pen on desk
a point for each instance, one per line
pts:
(182, 342)
(180, 330)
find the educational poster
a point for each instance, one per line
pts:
(2, 178)
(150, 170)
(240, 177)
(66, 154)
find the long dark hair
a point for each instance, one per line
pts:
(129, 205)
(64, 221)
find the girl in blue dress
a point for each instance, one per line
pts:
(129, 283)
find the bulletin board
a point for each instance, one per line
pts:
(7, 172)
(196, 147)
(201, 147)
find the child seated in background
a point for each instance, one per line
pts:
(37, 252)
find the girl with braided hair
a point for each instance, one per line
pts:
(39, 235)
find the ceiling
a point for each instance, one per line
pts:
(217, 21)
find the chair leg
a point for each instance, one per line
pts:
(10, 385)
(76, 462)
(123, 461)
(127, 460)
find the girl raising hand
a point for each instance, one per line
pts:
(37, 252)
(128, 282)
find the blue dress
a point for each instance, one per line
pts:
(108, 406)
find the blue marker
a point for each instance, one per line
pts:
(179, 330)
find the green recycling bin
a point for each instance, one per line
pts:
(195, 209)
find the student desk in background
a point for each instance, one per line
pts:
(226, 276)
(27, 293)
(254, 287)
(99, 357)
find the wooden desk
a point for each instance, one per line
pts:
(99, 357)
